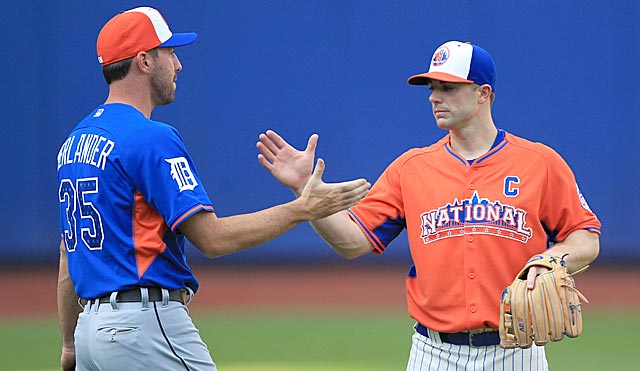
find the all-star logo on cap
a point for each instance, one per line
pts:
(440, 56)
(459, 62)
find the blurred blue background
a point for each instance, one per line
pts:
(567, 76)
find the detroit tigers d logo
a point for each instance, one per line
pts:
(182, 174)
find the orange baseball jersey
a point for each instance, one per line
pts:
(471, 228)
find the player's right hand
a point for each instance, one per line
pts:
(322, 199)
(289, 166)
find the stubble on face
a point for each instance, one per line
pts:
(162, 81)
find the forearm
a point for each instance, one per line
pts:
(67, 300)
(221, 236)
(581, 247)
(343, 235)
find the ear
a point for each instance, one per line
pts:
(143, 62)
(485, 93)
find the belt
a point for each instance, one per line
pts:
(134, 295)
(474, 339)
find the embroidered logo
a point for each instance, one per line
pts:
(475, 216)
(182, 174)
(440, 56)
(583, 201)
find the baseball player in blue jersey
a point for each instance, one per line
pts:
(129, 195)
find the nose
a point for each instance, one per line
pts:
(176, 63)
(434, 97)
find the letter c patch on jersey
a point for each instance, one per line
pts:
(509, 186)
(182, 174)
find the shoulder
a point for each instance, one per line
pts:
(535, 150)
(531, 146)
(414, 158)
(421, 153)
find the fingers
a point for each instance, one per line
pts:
(531, 278)
(318, 171)
(264, 162)
(267, 147)
(347, 194)
(276, 139)
(311, 144)
(356, 190)
(534, 272)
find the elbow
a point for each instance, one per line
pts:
(595, 250)
(212, 250)
(352, 252)
(348, 254)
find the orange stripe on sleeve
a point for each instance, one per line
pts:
(187, 214)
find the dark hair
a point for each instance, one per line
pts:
(119, 70)
(116, 71)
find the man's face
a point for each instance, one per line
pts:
(165, 74)
(453, 104)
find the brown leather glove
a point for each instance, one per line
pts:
(545, 313)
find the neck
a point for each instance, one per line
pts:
(126, 93)
(475, 140)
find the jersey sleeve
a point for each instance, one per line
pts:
(564, 209)
(380, 215)
(166, 176)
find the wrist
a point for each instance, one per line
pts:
(299, 211)
(297, 191)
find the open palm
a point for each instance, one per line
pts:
(289, 166)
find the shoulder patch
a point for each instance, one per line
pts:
(181, 173)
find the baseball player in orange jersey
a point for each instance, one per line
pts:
(477, 205)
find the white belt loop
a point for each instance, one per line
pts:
(434, 336)
(165, 297)
(190, 294)
(86, 308)
(112, 300)
(145, 298)
(95, 305)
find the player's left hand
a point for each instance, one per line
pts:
(544, 307)
(289, 166)
(534, 272)
(68, 360)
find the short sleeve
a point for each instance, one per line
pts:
(166, 176)
(564, 209)
(380, 214)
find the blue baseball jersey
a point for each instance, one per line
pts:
(125, 184)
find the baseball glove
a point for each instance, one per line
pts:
(547, 312)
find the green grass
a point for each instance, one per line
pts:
(329, 342)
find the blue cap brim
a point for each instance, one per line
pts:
(179, 39)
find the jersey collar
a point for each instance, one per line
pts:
(498, 144)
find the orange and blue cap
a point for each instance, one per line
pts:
(134, 31)
(455, 61)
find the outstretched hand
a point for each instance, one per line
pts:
(289, 166)
(321, 199)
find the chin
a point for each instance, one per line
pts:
(444, 125)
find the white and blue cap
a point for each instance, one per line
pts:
(455, 61)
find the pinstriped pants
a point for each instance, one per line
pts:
(431, 354)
